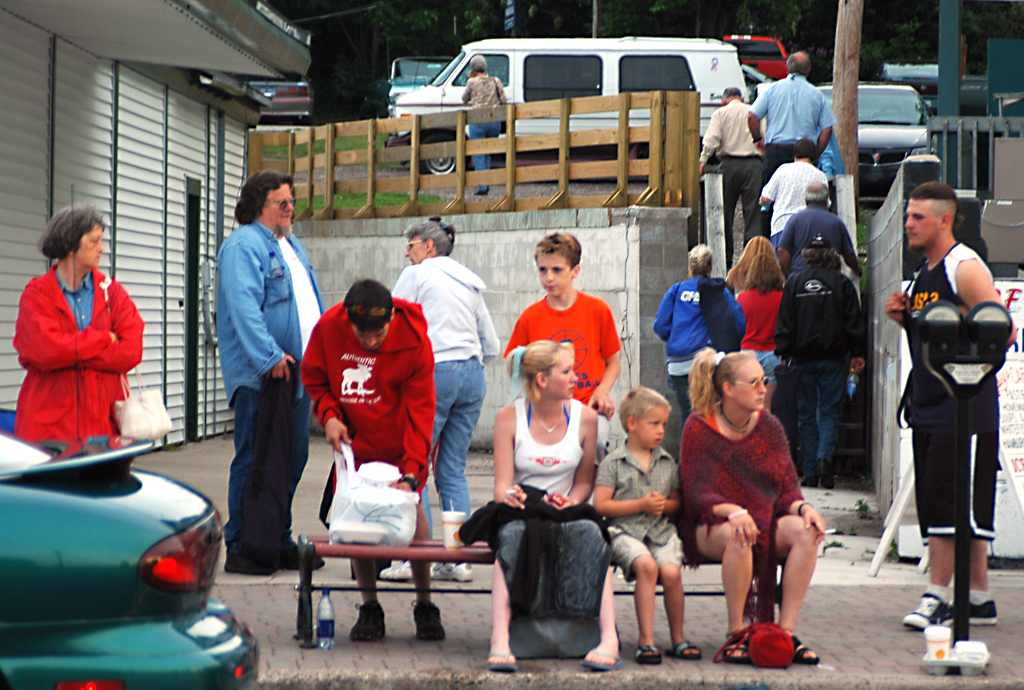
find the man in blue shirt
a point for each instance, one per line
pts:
(267, 305)
(795, 110)
(815, 222)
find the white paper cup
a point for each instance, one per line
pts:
(937, 637)
(451, 521)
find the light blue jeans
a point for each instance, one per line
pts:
(487, 130)
(460, 389)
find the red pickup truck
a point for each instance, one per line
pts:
(761, 52)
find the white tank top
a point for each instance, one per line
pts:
(547, 467)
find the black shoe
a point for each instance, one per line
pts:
(983, 614)
(237, 563)
(825, 473)
(428, 621)
(370, 625)
(930, 611)
(290, 559)
(811, 480)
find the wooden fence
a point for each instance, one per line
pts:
(667, 125)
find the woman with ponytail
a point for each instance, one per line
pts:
(544, 444)
(743, 506)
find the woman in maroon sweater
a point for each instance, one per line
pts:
(743, 506)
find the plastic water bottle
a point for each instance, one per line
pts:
(851, 384)
(325, 622)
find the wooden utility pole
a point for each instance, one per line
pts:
(845, 76)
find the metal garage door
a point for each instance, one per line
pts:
(24, 177)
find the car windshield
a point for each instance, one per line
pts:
(442, 77)
(418, 67)
(887, 106)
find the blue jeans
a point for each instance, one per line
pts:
(818, 402)
(488, 130)
(460, 389)
(247, 409)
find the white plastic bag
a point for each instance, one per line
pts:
(366, 510)
(141, 415)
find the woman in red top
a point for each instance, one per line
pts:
(76, 359)
(760, 300)
(743, 506)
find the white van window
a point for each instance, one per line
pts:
(561, 76)
(654, 73)
(497, 66)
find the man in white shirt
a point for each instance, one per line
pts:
(788, 186)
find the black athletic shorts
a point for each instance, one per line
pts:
(934, 467)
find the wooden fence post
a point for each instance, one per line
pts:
(652, 196)
(310, 158)
(561, 199)
(255, 152)
(508, 202)
(411, 208)
(691, 156)
(291, 154)
(673, 180)
(329, 158)
(620, 197)
(369, 209)
(458, 204)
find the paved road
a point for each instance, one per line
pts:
(851, 620)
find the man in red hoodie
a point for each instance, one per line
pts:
(369, 369)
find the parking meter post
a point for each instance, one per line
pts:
(962, 521)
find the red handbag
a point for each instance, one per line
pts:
(768, 645)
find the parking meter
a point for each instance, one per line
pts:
(987, 329)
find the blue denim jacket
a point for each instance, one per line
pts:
(257, 318)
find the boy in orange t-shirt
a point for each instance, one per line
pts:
(568, 315)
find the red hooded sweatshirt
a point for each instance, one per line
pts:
(385, 397)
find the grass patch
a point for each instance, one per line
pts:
(359, 200)
(340, 144)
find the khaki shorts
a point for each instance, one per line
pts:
(626, 549)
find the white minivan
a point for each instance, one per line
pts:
(538, 69)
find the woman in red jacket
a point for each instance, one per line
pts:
(78, 333)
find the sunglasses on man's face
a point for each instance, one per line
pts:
(286, 204)
(373, 311)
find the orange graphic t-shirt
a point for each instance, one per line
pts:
(588, 324)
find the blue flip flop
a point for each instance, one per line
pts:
(598, 666)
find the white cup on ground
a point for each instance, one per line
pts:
(937, 639)
(451, 521)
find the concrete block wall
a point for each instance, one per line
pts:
(631, 256)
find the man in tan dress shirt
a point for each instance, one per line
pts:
(729, 137)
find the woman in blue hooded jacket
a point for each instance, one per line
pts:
(697, 313)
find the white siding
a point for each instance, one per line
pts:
(84, 134)
(140, 212)
(24, 177)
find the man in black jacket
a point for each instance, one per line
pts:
(820, 324)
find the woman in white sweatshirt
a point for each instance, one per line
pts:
(463, 338)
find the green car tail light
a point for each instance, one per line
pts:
(184, 562)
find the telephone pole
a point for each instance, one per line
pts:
(845, 77)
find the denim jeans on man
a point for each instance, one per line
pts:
(488, 130)
(819, 400)
(460, 390)
(247, 407)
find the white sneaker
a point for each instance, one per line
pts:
(400, 571)
(459, 572)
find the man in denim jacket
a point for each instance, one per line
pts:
(267, 305)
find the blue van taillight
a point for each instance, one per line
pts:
(184, 562)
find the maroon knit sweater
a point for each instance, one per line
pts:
(756, 473)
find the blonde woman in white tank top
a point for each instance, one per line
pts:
(546, 440)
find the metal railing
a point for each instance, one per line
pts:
(966, 145)
(665, 124)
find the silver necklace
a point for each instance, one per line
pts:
(737, 429)
(556, 424)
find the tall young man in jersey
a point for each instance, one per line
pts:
(955, 273)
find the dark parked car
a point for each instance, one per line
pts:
(925, 78)
(892, 124)
(291, 102)
(407, 74)
(106, 575)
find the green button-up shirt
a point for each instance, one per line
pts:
(622, 472)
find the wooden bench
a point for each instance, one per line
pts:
(431, 550)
